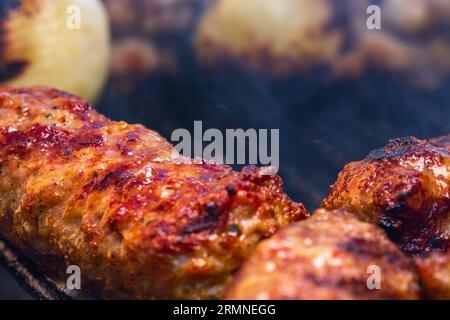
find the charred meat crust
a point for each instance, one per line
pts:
(118, 201)
(404, 188)
(326, 257)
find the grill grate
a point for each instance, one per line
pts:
(29, 279)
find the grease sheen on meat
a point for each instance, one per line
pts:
(404, 187)
(329, 256)
(118, 201)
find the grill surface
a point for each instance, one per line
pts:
(23, 271)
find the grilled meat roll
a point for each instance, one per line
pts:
(116, 200)
(333, 255)
(404, 188)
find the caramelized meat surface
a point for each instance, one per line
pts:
(404, 188)
(119, 202)
(332, 255)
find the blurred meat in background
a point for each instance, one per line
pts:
(313, 69)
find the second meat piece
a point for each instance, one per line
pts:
(331, 256)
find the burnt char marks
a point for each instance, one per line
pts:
(231, 190)
(365, 249)
(391, 226)
(439, 242)
(403, 188)
(395, 148)
(410, 215)
(116, 177)
(404, 147)
(209, 220)
(417, 229)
